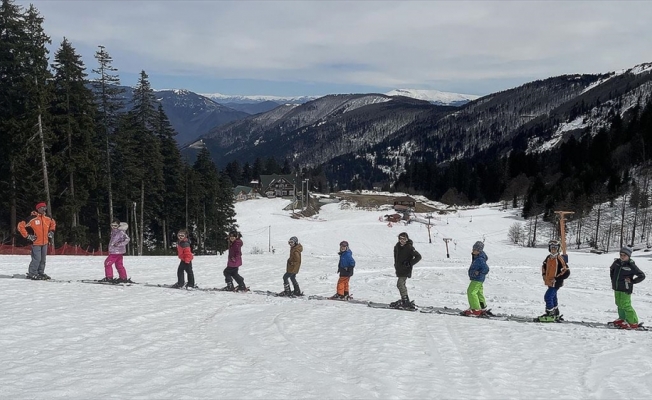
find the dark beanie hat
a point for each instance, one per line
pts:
(626, 250)
(479, 246)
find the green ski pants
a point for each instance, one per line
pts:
(475, 295)
(625, 310)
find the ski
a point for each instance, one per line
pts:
(350, 300)
(24, 276)
(276, 294)
(387, 306)
(611, 325)
(522, 319)
(99, 282)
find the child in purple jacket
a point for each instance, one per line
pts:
(117, 248)
(233, 264)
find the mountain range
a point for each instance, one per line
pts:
(381, 132)
(193, 115)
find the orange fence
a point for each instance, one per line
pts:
(66, 249)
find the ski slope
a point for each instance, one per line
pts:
(83, 341)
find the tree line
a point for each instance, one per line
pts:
(67, 138)
(582, 174)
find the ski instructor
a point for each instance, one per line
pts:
(38, 228)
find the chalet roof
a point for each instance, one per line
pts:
(266, 180)
(245, 189)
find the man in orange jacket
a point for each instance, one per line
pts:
(38, 228)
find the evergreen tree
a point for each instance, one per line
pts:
(141, 155)
(108, 98)
(173, 180)
(73, 152)
(12, 107)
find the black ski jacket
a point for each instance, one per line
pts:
(624, 274)
(404, 259)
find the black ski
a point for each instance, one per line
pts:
(110, 283)
(387, 306)
(350, 300)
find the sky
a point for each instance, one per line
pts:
(84, 341)
(294, 48)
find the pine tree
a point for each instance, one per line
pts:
(173, 170)
(27, 135)
(12, 107)
(73, 128)
(143, 166)
(109, 101)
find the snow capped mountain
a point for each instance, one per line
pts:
(435, 96)
(238, 99)
(432, 96)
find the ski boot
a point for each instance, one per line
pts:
(287, 292)
(297, 292)
(408, 305)
(44, 277)
(229, 287)
(178, 285)
(618, 323)
(472, 313)
(242, 288)
(33, 277)
(106, 279)
(396, 304)
(486, 311)
(551, 315)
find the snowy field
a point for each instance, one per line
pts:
(82, 341)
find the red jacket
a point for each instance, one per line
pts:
(38, 225)
(184, 251)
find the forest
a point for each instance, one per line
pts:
(67, 139)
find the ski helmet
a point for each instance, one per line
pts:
(553, 243)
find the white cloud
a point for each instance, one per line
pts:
(385, 44)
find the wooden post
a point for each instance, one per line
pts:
(447, 240)
(562, 226)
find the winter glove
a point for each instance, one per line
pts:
(50, 234)
(476, 273)
(31, 238)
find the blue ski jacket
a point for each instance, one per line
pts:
(346, 264)
(479, 268)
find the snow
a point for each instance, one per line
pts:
(433, 96)
(227, 98)
(641, 68)
(82, 341)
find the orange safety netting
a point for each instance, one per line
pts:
(66, 249)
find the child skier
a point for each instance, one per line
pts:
(624, 275)
(345, 269)
(554, 271)
(477, 273)
(117, 249)
(293, 265)
(184, 252)
(405, 257)
(233, 264)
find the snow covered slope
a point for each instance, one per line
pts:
(82, 341)
(435, 96)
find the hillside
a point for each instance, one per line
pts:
(165, 343)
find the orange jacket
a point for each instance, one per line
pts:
(39, 225)
(184, 251)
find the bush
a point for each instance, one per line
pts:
(516, 234)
